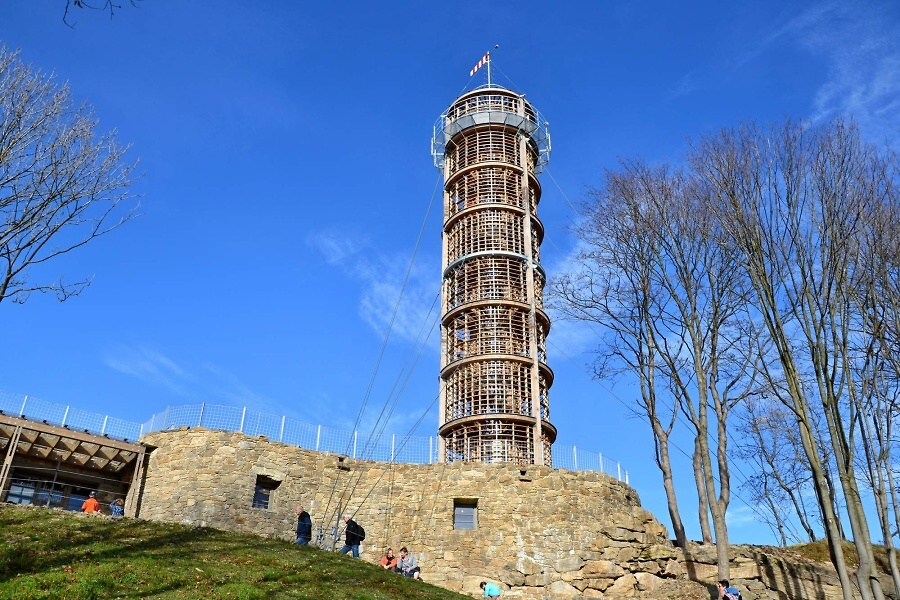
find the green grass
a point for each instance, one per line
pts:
(49, 554)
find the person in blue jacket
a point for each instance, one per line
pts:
(491, 590)
(726, 592)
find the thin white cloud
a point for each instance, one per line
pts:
(414, 320)
(338, 248)
(861, 50)
(381, 276)
(199, 383)
(788, 28)
(738, 516)
(684, 86)
(150, 366)
(223, 384)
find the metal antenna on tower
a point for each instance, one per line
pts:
(489, 64)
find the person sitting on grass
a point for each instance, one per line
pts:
(117, 508)
(407, 565)
(388, 561)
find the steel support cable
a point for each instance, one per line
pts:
(393, 405)
(406, 438)
(387, 334)
(413, 356)
(402, 444)
(415, 426)
(512, 84)
(321, 535)
(679, 415)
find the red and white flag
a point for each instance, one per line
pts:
(481, 63)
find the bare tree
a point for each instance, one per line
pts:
(795, 201)
(612, 284)
(662, 287)
(876, 289)
(61, 185)
(769, 441)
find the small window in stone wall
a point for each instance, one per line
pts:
(262, 495)
(465, 514)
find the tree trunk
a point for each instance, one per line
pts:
(703, 505)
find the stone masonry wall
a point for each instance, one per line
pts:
(541, 533)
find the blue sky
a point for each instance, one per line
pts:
(285, 147)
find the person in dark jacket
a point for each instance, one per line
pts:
(304, 526)
(353, 536)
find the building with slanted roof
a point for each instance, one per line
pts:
(54, 465)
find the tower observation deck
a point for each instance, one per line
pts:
(490, 144)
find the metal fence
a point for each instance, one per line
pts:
(356, 444)
(68, 416)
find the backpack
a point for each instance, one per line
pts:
(362, 533)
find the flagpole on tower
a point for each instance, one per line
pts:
(489, 64)
(485, 60)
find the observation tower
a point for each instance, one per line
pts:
(490, 145)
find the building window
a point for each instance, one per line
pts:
(262, 494)
(21, 492)
(465, 514)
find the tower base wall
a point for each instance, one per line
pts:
(537, 529)
(539, 532)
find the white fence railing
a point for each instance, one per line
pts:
(356, 444)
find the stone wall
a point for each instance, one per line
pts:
(539, 530)
(541, 533)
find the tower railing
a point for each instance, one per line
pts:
(500, 108)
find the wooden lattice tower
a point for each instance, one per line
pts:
(495, 406)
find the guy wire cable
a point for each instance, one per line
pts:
(382, 420)
(387, 334)
(393, 406)
(403, 443)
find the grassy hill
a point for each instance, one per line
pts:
(52, 554)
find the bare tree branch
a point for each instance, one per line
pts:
(106, 5)
(61, 185)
